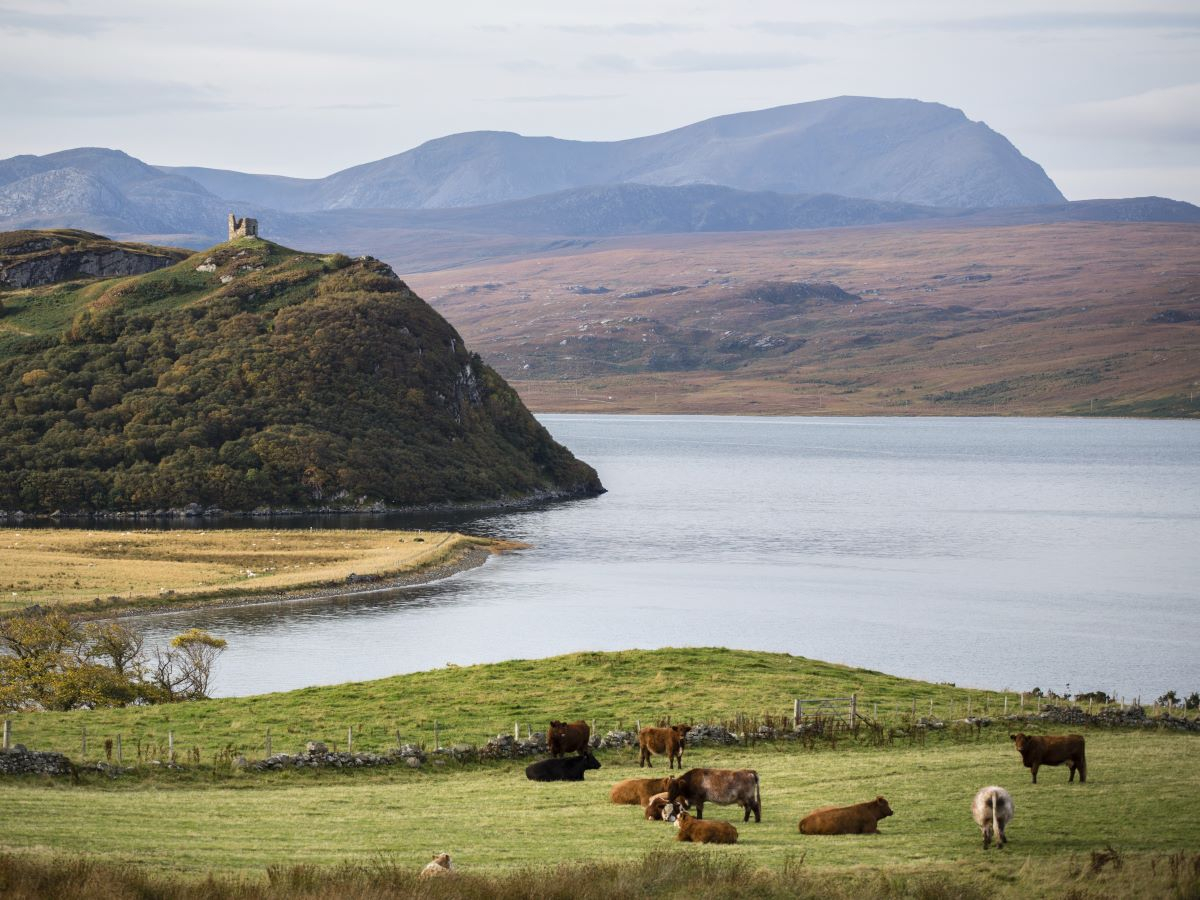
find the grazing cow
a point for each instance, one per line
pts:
(665, 741)
(564, 737)
(697, 831)
(440, 866)
(660, 809)
(861, 818)
(993, 810)
(720, 786)
(1052, 750)
(569, 769)
(637, 790)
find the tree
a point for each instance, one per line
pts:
(118, 645)
(1169, 700)
(1192, 701)
(196, 652)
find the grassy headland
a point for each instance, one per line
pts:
(78, 570)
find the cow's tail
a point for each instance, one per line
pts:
(757, 798)
(995, 798)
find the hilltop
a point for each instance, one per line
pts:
(34, 258)
(251, 375)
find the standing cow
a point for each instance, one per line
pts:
(1052, 750)
(992, 810)
(564, 737)
(720, 786)
(667, 742)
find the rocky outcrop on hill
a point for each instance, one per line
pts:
(33, 258)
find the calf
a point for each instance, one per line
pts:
(667, 742)
(1052, 750)
(440, 866)
(700, 832)
(861, 818)
(563, 737)
(637, 790)
(569, 769)
(993, 809)
(720, 786)
(660, 809)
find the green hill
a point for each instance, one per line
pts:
(250, 375)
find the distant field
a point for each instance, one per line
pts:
(70, 568)
(1063, 319)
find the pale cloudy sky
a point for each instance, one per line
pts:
(1105, 95)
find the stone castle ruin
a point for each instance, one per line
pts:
(240, 228)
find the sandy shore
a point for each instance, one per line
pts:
(467, 557)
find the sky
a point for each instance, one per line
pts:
(1104, 95)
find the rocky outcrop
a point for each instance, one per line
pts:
(33, 258)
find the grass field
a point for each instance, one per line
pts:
(366, 831)
(72, 568)
(474, 703)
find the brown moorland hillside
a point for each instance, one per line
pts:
(1054, 319)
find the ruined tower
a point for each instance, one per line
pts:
(240, 228)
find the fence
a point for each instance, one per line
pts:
(837, 713)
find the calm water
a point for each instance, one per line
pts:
(991, 552)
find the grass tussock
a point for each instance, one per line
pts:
(694, 874)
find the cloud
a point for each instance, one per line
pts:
(94, 98)
(1164, 115)
(1062, 21)
(633, 29)
(610, 62)
(65, 23)
(706, 61)
(557, 98)
(815, 29)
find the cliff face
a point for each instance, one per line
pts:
(34, 258)
(252, 376)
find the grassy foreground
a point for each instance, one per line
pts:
(70, 568)
(473, 703)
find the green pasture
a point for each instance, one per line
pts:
(1140, 797)
(473, 703)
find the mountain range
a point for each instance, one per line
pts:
(845, 161)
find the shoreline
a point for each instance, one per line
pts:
(468, 556)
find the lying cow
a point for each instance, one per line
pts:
(440, 866)
(564, 737)
(720, 786)
(692, 829)
(993, 810)
(660, 809)
(666, 742)
(861, 818)
(637, 790)
(1052, 750)
(569, 769)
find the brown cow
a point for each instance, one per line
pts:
(861, 818)
(720, 786)
(637, 790)
(665, 741)
(563, 737)
(700, 832)
(1052, 750)
(660, 809)
(440, 866)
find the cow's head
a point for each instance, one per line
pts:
(442, 859)
(681, 730)
(681, 817)
(673, 809)
(557, 724)
(589, 761)
(675, 789)
(882, 810)
(1019, 740)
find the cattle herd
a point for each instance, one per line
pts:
(680, 798)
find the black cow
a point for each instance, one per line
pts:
(568, 769)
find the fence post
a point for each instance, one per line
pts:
(854, 712)
(516, 731)
(171, 746)
(914, 709)
(796, 712)
(437, 740)
(119, 754)
(931, 709)
(639, 726)
(7, 734)
(349, 738)
(85, 742)
(268, 747)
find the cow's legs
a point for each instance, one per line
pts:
(987, 837)
(699, 809)
(1071, 767)
(1034, 769)
(1003, 836)
(645, 760)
